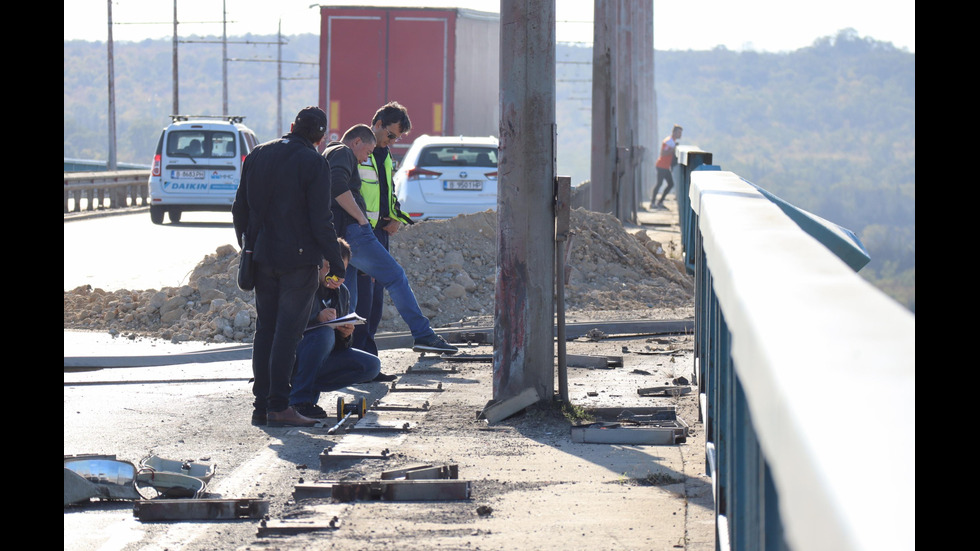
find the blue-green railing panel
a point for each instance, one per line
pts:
(795, 352)
(840, 240)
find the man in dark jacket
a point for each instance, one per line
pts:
(283, 206)
(325, 360)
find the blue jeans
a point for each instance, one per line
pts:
(321, 367)
(283, 299)
(370, 256)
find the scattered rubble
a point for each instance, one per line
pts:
(450, 264)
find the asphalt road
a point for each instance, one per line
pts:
(127, 251)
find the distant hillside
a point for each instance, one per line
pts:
(830, 128)
(144, 87)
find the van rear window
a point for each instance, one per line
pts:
(201, 144)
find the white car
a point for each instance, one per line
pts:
(198, 165)
(444, 176)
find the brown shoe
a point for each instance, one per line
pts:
(288, 418)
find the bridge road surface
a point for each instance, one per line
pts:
(127, 251)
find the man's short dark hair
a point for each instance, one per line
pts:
(361, 131)
(344, 249)
(310, 123)
(392, 113)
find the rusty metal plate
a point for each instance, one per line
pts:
(402, 490)
(200, 509)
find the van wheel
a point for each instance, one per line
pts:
(156, 214)
(174, 215)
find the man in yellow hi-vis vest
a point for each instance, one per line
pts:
(367, 253)
(389, 124)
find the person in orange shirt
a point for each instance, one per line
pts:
(665, 162)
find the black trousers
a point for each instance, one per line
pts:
(283, 300)
(662, 174)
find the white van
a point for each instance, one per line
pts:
(198, 165)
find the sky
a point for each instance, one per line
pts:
(759, 25)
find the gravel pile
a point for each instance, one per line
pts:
(450, 264)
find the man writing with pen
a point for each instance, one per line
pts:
(325, 360)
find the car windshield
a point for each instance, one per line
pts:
(200, 143)
(449, 155)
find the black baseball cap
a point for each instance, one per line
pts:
(312, 118)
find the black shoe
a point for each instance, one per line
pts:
(434, 343)
(313, 411)
(258, 417)
(382, 378)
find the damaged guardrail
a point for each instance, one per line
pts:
(106, 190)
(789, 341)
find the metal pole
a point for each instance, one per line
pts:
(563, 193)
(603, 107)
(111, 163)
(279, 78)
(176, 89)
(224, 59)
(523, 356)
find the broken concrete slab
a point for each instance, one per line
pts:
(498, 411)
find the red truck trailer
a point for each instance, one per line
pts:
(442, 64)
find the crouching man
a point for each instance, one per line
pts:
(325, 360)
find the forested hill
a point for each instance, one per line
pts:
(830, 128)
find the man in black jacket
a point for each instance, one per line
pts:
(283, 205)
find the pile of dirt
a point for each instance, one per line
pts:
(451, 265)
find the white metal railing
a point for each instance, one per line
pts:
(807, 375)
(99, 190)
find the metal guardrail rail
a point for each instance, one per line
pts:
(807, 379)
(106, 190)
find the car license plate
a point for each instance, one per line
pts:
(470, 185)
(188, 175)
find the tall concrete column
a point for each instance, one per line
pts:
(601, 188)
(626, 115)
(523, 356)
(646, 101)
